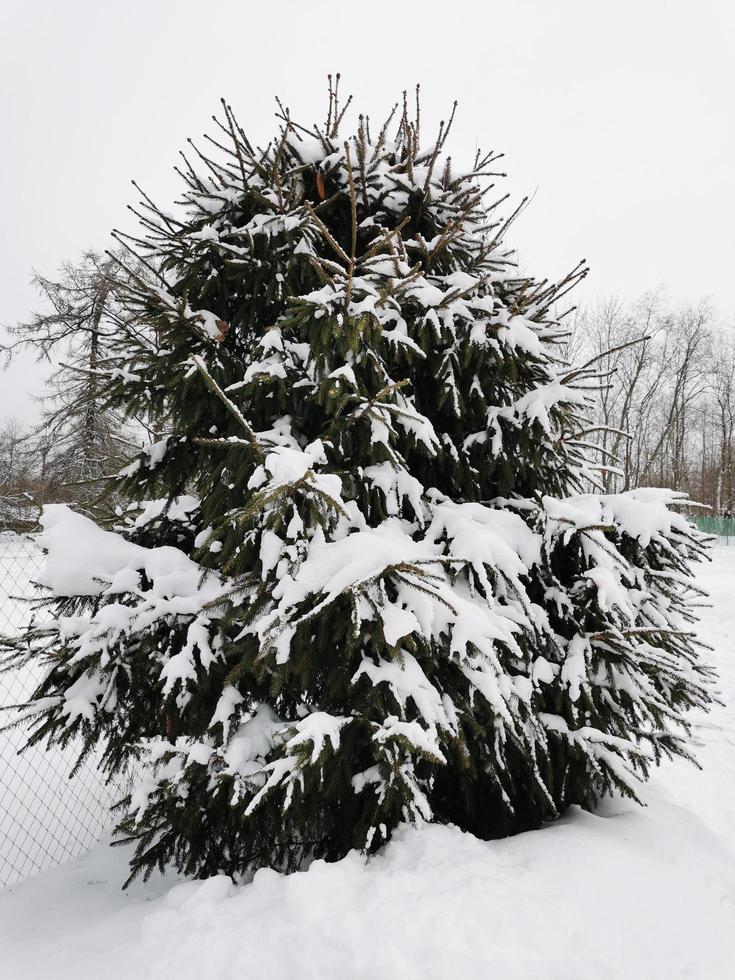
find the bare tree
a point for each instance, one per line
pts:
(625, 342)
(15, 473)
(79, 438)
(667, 405)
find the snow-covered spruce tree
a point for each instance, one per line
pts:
(368, 580)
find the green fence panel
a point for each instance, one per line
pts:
(723, 527)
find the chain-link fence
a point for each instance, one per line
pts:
(45, 817)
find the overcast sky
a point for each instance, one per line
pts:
(617, 116)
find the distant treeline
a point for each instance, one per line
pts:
(666, 409)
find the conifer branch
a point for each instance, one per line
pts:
(228, 403)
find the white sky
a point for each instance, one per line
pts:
(618, 116)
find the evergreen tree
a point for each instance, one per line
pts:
(369, 579)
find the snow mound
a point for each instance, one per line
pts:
(568, 903)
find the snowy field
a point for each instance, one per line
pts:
(640, 894)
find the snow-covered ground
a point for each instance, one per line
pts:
(640, 894)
